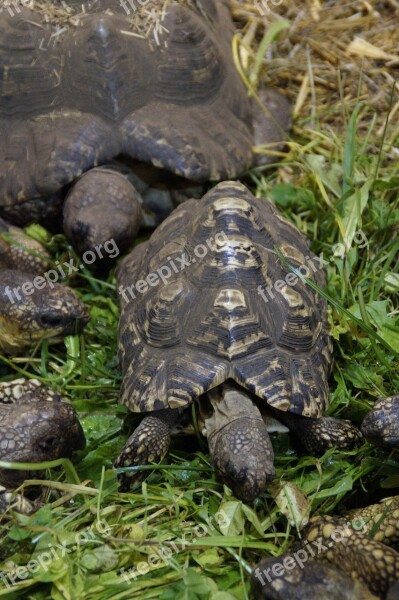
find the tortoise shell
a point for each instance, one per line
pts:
(78, 94)
(211, 296)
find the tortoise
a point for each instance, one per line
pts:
(157, 91)
(381, 425)
(361, 544)
(198, 325)
(313, 580)
(36, 424)
(32, 307)
(20, 251)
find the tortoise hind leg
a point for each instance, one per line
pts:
(148, 443)
(318, 435)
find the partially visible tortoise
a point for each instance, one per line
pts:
(32, 306)
(198, 325)
(350, 557)
(36, 425)
(381, 425)
(21, 252)
(157, 90)
(318, 580)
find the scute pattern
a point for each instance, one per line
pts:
(230, 329)
(208, 322)
(73, 98)
(157, 321)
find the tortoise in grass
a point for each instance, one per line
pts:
(381, 425)
(32, 306)
(20, 251)
(198, 325)
(353, 556)
(156, 91)
(36, 425)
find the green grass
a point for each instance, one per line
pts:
(182, 532)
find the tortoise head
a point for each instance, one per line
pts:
(102, 207)
(239, 443)
(381, 425)
(29, 314)
(37, 430)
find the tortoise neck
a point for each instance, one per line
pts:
(229, 402)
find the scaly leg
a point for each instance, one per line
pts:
(148, 443)
(318, 435)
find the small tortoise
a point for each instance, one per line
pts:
(381, 425)
(361, 544)
(32, 307)
(36, 425)
(210, 314)
(21, 252)
(158, 91)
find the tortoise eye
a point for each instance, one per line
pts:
(47, 443)
(51, 320)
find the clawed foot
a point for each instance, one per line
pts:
(149, 443)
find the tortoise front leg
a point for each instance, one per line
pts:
(318, 435)
(149, 443)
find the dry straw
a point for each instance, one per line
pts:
(330, 56)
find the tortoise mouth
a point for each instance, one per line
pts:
(76, 324)
(77, 440)
(62, 325)
(382, 441)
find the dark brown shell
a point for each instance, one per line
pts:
(207, 322)
(75, 97)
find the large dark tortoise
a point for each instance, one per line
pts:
(156, 91)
